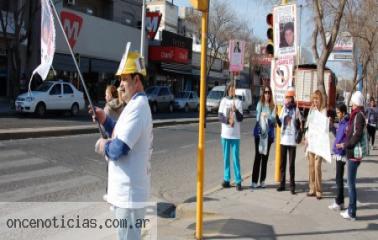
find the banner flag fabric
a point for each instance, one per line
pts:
(47, 40)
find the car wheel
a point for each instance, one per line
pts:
(74, 109)
(170, 108)
(154, 107)
(40, 110)
(186, 108)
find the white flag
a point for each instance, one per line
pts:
(47, 40)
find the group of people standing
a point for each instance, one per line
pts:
(348, 147)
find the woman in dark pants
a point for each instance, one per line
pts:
(339, 155)
(264, 135)
(354, 136)
(290, 121)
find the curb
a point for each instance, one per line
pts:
(23, 133)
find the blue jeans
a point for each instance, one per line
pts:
(231, 145)
(129, 216)
(352, 173)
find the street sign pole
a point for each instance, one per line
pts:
(142, 29)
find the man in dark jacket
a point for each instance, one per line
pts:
(354, 135)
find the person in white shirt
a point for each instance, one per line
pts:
(129, 150)
(230, 115)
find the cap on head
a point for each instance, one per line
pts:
(290, 92)
(134, 64)
(358, 99)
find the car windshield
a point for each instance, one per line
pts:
(215, 95)
(182, 95)
(151, 90)
(44, 87)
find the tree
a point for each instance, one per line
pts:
(328, 15)
(223, 25)
(360, 21)
(16, 31)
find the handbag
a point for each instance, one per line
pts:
(360, 150)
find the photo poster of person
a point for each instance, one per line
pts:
(47, 40)
(285, 30)
(236, 50)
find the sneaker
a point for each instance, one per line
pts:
(336, 207)
(262, 184)
(225, 184)
(280, 189)
(292, 191)
(346, 216)
(238, 187)
(254, 185)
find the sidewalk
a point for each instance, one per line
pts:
(268, 214)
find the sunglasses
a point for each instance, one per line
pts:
(267, 92)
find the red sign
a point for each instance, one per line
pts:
(72, 25)
(168, 54)
(152, 23)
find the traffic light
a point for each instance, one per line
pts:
(201, 5)
(269, 33)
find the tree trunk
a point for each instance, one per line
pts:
(320, 82)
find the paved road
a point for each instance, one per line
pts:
(67, 169)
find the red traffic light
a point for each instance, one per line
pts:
(269, 19)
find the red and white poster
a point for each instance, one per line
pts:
(47, 40)
(152, 23)
(281, 78)
(236, 55)
(72, 24)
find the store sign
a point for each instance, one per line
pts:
(152, 23)
(72, 24)
(170, 39)
(168, 54)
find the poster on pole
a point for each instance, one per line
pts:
(318, 135)
(236, 55)
(47, 40)
(281, 78)
(285, 30)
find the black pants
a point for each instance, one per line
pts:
(339, 182)
(371, 131)
(260, 158)
(292, 151)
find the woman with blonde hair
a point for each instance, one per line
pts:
(263, 133)
(315, 161)
(114, 104)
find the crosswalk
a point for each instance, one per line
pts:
(25, 175)
(33, 186)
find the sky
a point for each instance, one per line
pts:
(255, 12)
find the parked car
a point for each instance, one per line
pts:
(214, 97)
(187, 100)
(245, 97)
(51, 95)
(160, 98)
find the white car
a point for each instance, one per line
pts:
(187, 100)
(51, 95)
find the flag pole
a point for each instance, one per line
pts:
(77, 67)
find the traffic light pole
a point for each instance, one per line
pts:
(277, 175)
(201, 129)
